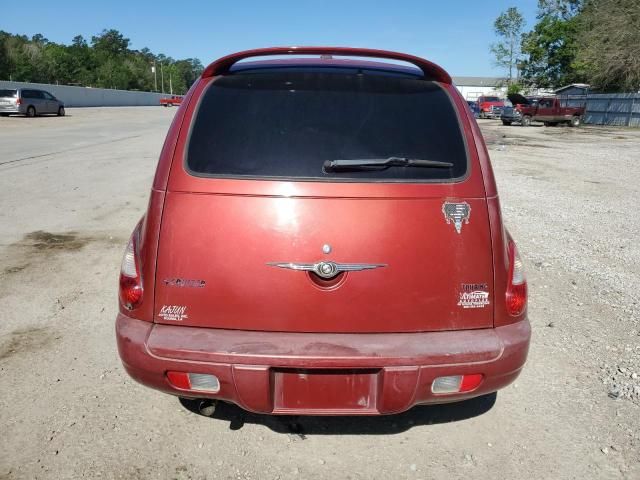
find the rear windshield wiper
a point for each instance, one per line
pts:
(382, 163)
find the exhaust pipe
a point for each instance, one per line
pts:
(207, 407)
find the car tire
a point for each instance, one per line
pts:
(526, 121)
(31, 111)
(505, 122)
(575, 121)
(61, 112)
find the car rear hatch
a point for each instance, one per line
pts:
(250, 207)
(8, 99)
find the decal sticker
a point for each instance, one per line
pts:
(470, 287)
(173, 313)
(456, 213)
(474, 295)
(184, 282)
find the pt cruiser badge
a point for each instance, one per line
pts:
(327, 270)
(456, 212)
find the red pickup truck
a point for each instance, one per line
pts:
(173, 100)
(549, 110)
(489, 106)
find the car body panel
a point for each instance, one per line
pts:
(427, 262)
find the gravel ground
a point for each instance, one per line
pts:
(71, 190)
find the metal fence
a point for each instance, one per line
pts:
(620, 109)
(92, 97)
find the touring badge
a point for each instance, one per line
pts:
(456, 212)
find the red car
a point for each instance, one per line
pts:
(323, 236)
(490, 107)
(173, 100)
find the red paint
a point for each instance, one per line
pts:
(179, 380)
(470, 382)
(485, 105)
(550, 110)
(245, 362)
(385, 334)
(172, 101)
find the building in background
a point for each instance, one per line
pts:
(473, 87)
(573, 89)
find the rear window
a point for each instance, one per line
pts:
(8, 93)
(287, 123)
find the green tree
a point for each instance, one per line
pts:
(58, 64)
(110, 43)
(609, 44)
(514, 88)
(551, 47)
(508, 26)
(106, 62)
(5, 62)
(83, 63)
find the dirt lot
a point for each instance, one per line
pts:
(71, 191)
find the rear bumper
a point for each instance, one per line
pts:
(255, 368)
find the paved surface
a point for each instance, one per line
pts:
(71, 190)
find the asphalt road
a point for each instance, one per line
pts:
(71, 190)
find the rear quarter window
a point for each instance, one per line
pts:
(286, 124)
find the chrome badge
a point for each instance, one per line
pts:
(456, 213)
(327, 269)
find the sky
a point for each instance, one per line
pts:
(453, 34)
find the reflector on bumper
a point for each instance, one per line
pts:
(456, 383)
(201, 382)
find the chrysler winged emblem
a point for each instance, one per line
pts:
(327, 269)
(456, 213)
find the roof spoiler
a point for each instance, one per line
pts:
(429, 69)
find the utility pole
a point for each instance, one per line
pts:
(162, 76)
(170, 78)
(155, 74)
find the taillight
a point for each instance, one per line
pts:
(18, 101)
(194, 381)
(456, 383)
(130, 278)
(516, 296)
